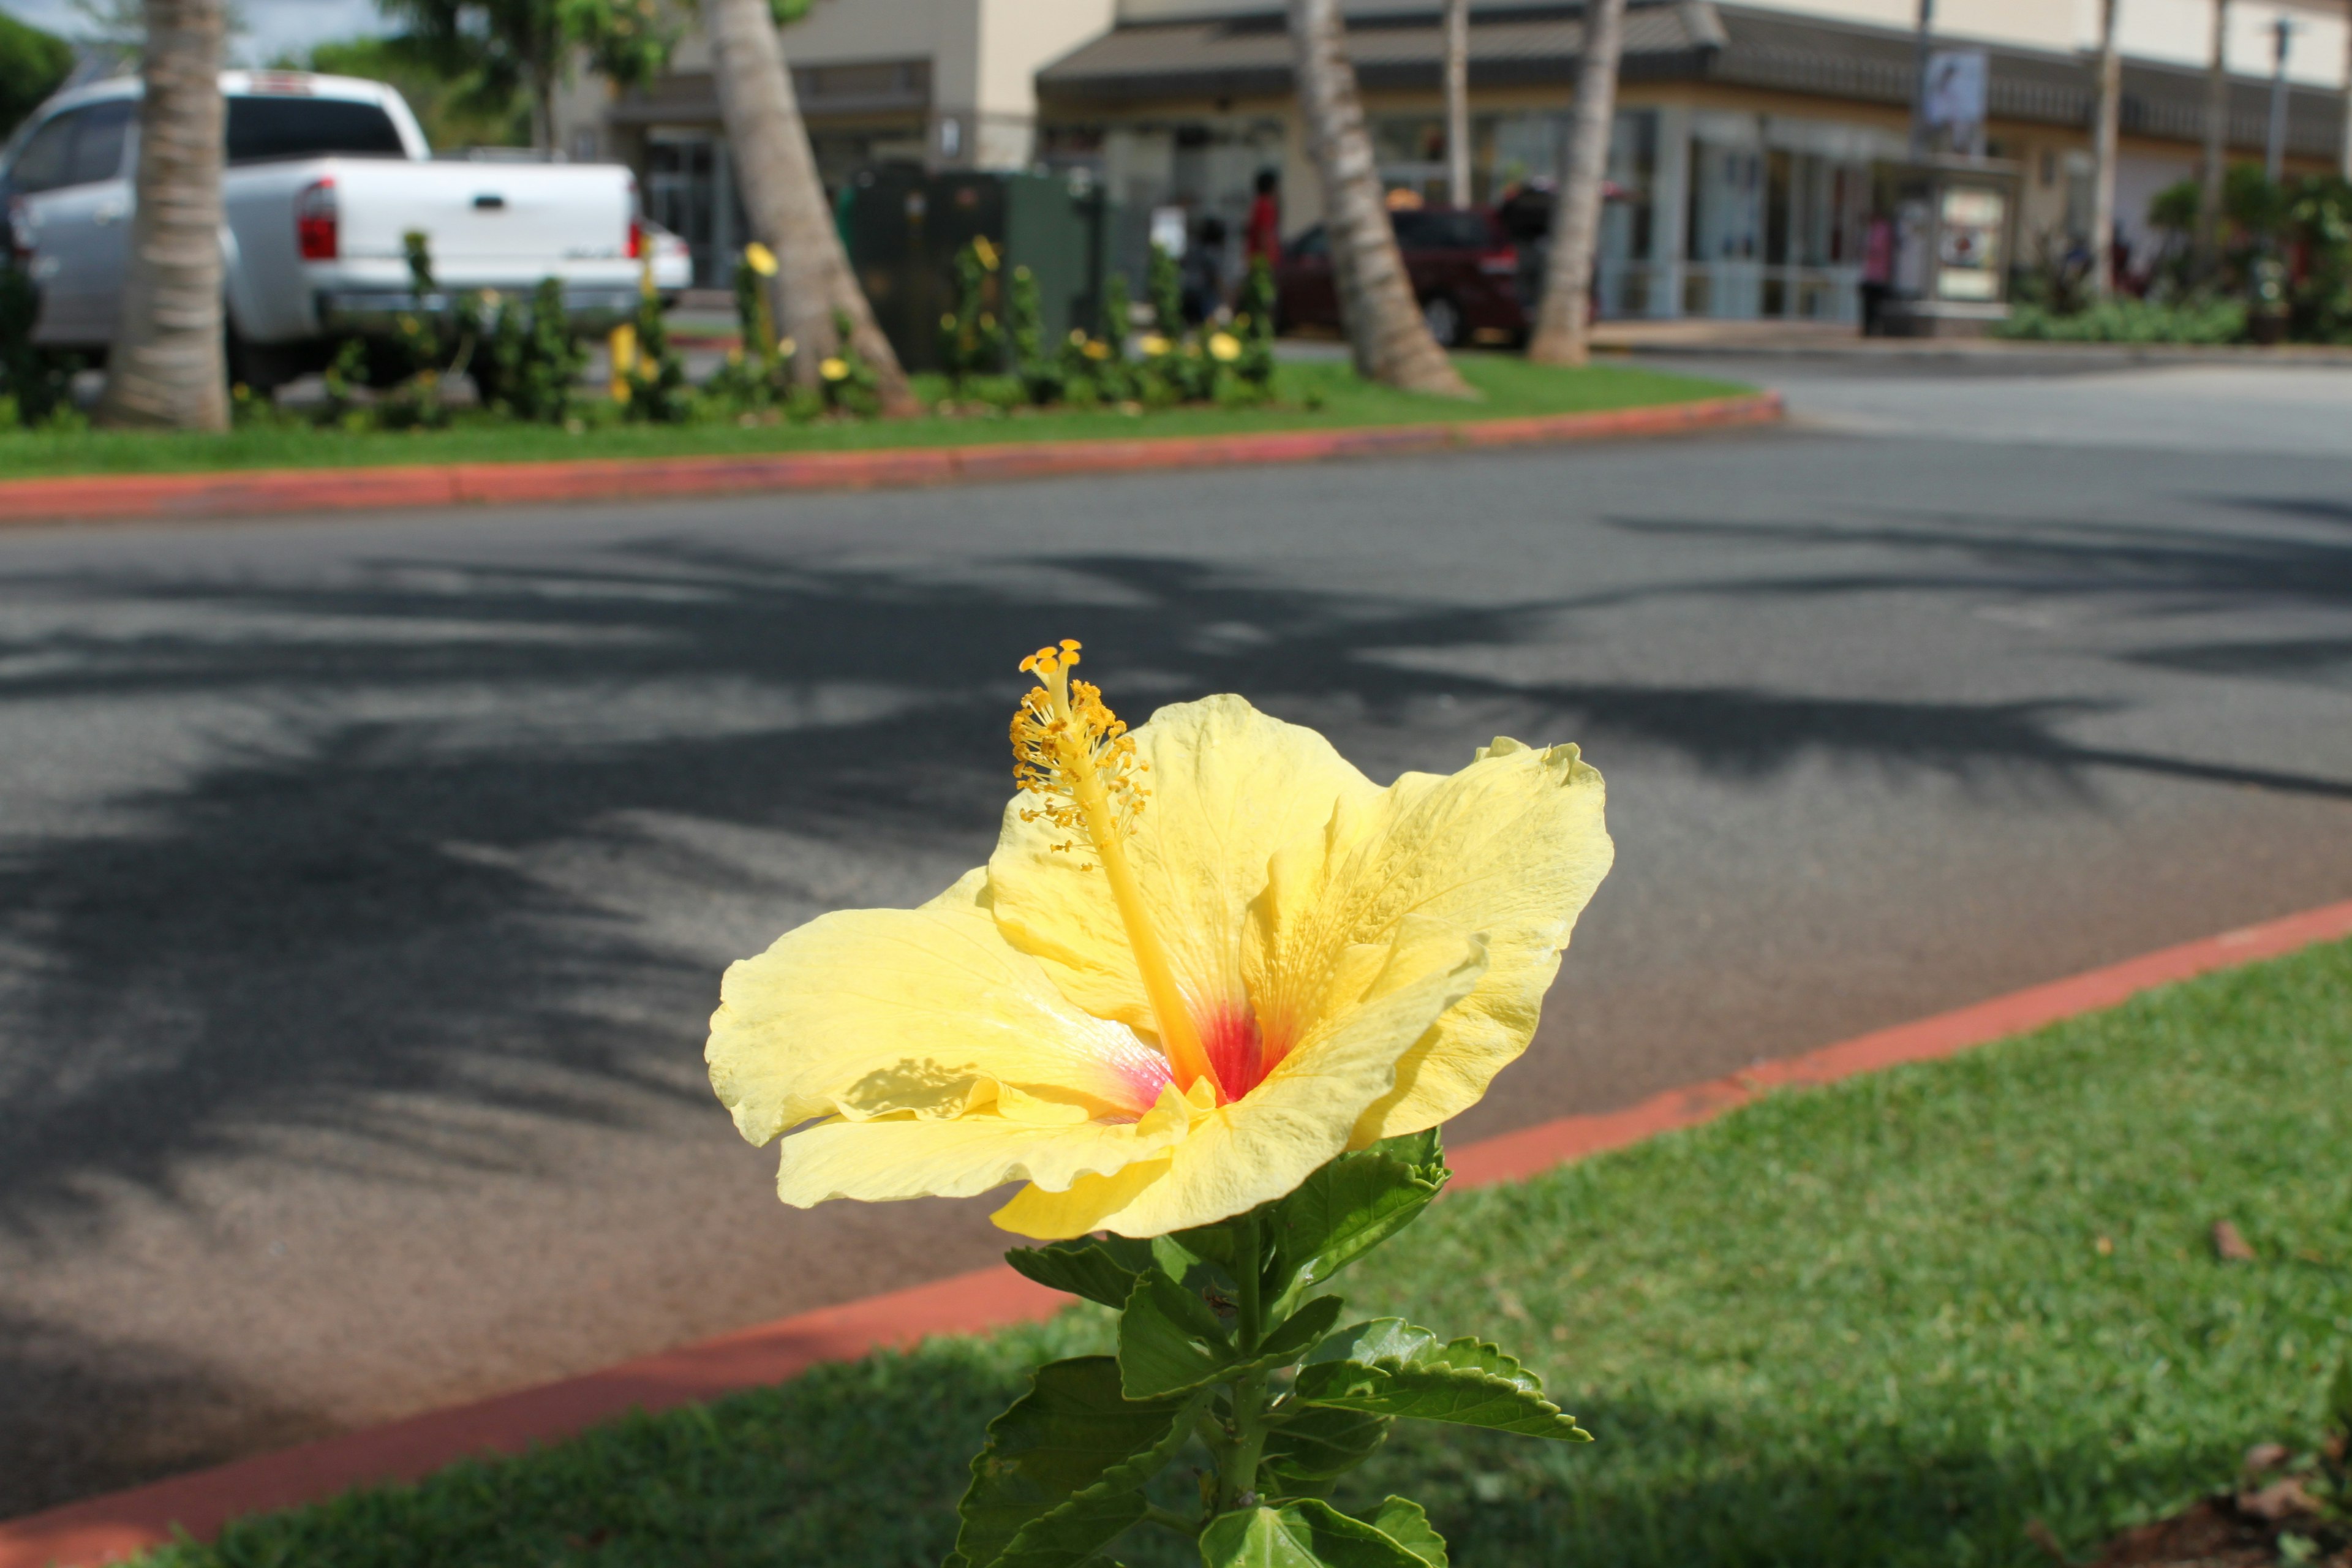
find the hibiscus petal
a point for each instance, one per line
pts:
(913, 1157)
(926, 1012)
(1512, 847)
(1241, 1155)
(1228, 786)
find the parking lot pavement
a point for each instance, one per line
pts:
(367, 880)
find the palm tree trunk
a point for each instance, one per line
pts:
(1385, 328)
(2217, 146)
(1458, 102)
(2104, 138)
(785, 200)
(166, 369)
(1561, 335)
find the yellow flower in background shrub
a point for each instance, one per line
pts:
(760, 259)
(1206, 957)
(1153, 343)
(833, 368)
(1224, 347)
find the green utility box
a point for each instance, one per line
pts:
(903, 228)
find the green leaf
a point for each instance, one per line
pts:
(1406, 1522)
(1353, 1204)
(1309, 1447)
(1062, 1473)
(1388, 1367)
(1298, 1333)
(1304, 1534)
(1169, 1341)
(2339, 1400)
(1100, 1270)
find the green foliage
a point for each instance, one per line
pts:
(35, 383)
(1063, 1471)
(1309, 395)
(1099, 1268)
(447, 100)
(32, 65)
(1043, 376)
(496, 54)
(535, 363)
(1313, 1534)
(655, 386)
(972, 342)
(1218, 1309)
(846, 381)
(2126, 321)
(1388, 1367)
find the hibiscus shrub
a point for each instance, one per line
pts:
(1224, 1340)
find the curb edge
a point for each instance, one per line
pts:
(115, 1525)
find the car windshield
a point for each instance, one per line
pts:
(1443, 230)
(262, 129)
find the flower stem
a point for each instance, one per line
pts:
(1238, 1482)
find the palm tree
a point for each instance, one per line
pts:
(166, 369)
(2105, 133)
(2217, 146)
(1458, 102)
(1385, 328)
(1560, 335)
(776, 169)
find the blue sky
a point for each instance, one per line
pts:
(276, 23)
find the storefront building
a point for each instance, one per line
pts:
(946, 84)
(1752, 146)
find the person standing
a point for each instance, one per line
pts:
(1262, 236)
(1878, 275)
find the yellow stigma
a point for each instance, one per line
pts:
(1075, 756)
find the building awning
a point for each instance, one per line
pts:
(862, 86)
(1666, 40)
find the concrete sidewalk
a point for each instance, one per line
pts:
(1841, 341)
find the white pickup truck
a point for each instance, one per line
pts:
(325, 176)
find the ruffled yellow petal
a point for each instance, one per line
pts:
(1228, 787)
(926, 1013)
(1241, 1155)
(1512, 847)
(910, 1156)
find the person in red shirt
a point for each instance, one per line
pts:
(1262, 233)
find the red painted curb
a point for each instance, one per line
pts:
(105, 1528)
(147, 498)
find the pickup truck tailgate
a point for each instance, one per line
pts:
(484, 218)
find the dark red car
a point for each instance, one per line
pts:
(1464, 271)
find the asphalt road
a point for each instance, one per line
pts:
(364, 883)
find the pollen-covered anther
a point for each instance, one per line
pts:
(1067, 744)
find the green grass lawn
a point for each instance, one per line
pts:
(1311, 395)
(1888, 1322)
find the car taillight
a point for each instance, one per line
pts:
(637, 241)
(316, 222)
(19, 224)
(1500, 264)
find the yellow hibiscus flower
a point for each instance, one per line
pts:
(760, 260)
(1206, 958)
